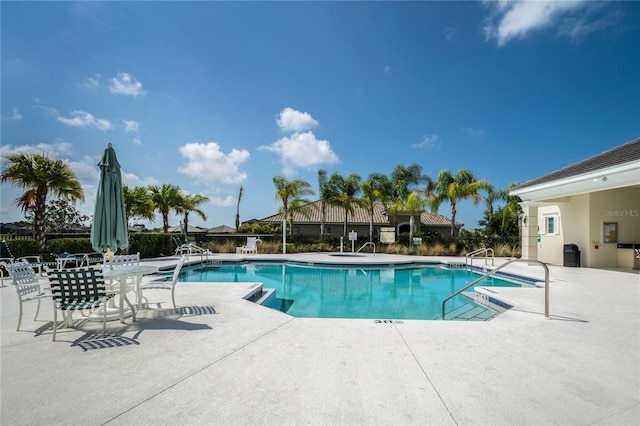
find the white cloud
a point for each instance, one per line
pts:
(92, 82)
(518, 18)
(137, 140)
(295, 121)
(131, 126)
(473, 132)
(83, 119)
(131, 180)
(87, 171)
(126, 84)
(229, 201)
(51, 150)
(428, 141)
(15, 115)
(207, 163)
(302, 150)
(450, 33)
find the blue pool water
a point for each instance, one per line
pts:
(414, 292)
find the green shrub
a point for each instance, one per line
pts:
(67, 245)
(151, 244)
(23, 247)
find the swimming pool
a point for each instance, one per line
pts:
(393, 292)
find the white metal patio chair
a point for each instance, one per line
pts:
(4, 261)
(122, 261)
(163, 285)
(27, 284)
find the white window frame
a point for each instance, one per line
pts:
(546, 219)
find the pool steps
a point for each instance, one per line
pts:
(482, 306)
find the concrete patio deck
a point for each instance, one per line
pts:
(220, 359)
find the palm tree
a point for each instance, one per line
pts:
(290, 192)
(453, 188)
(510, 211)
(406, 179)
(166, 198)
(414, 205)
(240, 193)
(138, 203)
(343, 193)
(304, 207)
(322, 188)
(40, 176)
(377, 188)
(190, 203)
(512, 208)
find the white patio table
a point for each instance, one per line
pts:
(122, 273)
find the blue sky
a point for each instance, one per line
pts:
(214, 95)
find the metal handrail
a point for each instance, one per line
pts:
(477, 252)
(488, 274)
(366, 244)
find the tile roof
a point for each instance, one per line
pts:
(626, 153)
(335, 215)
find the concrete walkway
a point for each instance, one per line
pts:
(220, 359)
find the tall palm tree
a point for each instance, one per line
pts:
(406, 179)
(344, 193)
(290, 193)
(301, 206)
(413, 206)
(190, 203)
(40, 176)
(322, 189)
(376, 189)
(454, 188)
(166, 198)
(138, 203)
(240, 193)
(511, 209)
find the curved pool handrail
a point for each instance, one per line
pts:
(493, 271)
(479, 251)
(366, 244)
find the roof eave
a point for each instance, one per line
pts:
(619, 176)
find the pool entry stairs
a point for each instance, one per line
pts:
(471, 311)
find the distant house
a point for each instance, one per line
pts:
(593, 204)
(191, 230)
(359, 221)
(222, 229)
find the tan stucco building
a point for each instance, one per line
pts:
(594, 204)
(358, 221)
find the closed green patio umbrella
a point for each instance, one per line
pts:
(109, 228)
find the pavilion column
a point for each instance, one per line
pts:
(529, 230)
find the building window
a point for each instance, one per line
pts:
(551, 225)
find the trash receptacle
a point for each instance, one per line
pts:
(571, 255)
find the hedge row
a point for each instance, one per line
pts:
(149, 244)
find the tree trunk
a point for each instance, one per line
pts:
(165, 222)
(410, 230)
(453, 220)
(346, 218)
(186, 227)
(371, 226)
(39, 231)
(322, 219)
